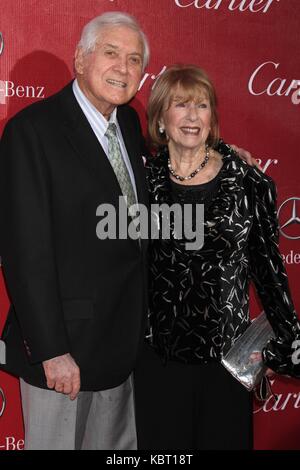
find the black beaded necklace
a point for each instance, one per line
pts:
(195, 172)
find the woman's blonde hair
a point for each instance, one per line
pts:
(193, 84)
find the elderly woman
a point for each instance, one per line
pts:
(199, 301)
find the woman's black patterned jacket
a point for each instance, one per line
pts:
(199, 300)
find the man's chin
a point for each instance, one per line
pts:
(118, 101)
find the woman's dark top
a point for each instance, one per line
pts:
(199, 299)
(198, 194)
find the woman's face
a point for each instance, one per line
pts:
(187, 123)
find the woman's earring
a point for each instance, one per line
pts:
(161, 130)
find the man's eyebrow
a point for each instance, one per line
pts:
(113, 46)
(110, 45)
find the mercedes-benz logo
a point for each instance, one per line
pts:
(288, 218)
(1, 43)
(2, 402)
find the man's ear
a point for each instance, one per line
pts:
(79, 60)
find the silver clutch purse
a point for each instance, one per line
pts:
(238, 360)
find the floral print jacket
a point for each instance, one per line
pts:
(199, 300)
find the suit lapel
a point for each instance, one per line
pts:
(88, 149)
(91, 154)
(86, 145)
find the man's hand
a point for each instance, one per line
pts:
(246, 156)
(63, 374)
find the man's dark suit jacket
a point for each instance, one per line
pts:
(69, 291)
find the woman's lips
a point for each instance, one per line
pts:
(190, 130)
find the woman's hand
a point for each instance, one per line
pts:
(255, 357)
(246, 156)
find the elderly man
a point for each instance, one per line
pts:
(77, 303)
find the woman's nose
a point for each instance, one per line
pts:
(193, 113)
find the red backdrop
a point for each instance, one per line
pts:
(249, 48)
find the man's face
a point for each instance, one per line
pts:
(110, 76)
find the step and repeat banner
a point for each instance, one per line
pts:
(251, 50)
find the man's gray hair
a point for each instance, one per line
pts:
(92, 30)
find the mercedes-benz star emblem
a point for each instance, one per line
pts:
(2, 402)
(1, 43)
(288, 218)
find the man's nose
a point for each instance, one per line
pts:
(122, 65)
